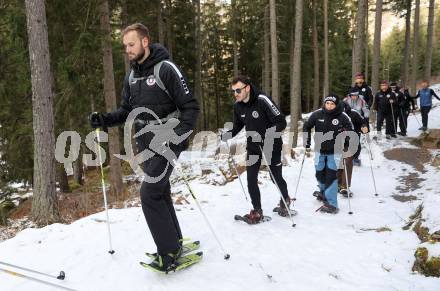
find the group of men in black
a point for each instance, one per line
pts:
(156, 83)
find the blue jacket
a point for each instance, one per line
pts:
(426, 97)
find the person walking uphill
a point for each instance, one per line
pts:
(264, 123)
(385, 103)
(332, 119)
(156, 85)
(425, 94)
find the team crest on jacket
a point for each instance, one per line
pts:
(151, 80)
(255, 114)
(335, 121)
(363, 89)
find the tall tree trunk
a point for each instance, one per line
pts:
(124, 20)
(405, 62)
(160, 29)
(376, 47)
(326, 74)
(295, 85)
(429, 42)
(367, 41)
(274, 51)
(110, 98)
(62, 179)
(234, 35)
(359, 41)
(44, 201)
(169, 28)
(415, 60)
(266, 79)
(198, 69)
(315, 56)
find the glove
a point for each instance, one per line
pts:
(96, 120)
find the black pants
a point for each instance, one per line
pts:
(403, 119)
(157, 204)
(390, 123)
(252, 177)
(425, 110)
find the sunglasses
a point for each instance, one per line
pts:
(238, 90)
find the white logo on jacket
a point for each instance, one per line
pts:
(335, 121)
(255, 114)
(151, 80)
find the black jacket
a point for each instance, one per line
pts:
(409, 101)
(356, 119)
(365, 92)
(382, 101)
(146, 93)
(324, 121)
(258, 115)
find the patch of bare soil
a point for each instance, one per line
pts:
(414, 157)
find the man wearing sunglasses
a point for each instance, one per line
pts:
(264, 123)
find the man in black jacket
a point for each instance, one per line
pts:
(329, 120)
(403, 106)
(385, 103)
(264, 123)
(142, 89)
(362, 88)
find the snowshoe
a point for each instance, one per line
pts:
(172, 264)
(327, 208)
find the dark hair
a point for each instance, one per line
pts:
(241, 78)
(141, 30)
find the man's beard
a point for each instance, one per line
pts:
(139, 56)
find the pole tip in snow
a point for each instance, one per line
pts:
(61, 276)
(294, 199)
(351, 212)
(227, 256)
(293, 225)
(111, 252)
(376, 194)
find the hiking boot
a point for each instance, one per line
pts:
(327, 208)
(255, 216)
(357, 162)
(167, 262)
(319, 196)
(282, 210)
(393, 135)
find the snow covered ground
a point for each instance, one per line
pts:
(323, 252)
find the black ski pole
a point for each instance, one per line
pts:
(236, 171)
(226, 256)
(299, 176)
(111, 251)
(348, 186)
(278, 187)
(61, 276)
(35, 279)
(371, 163)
